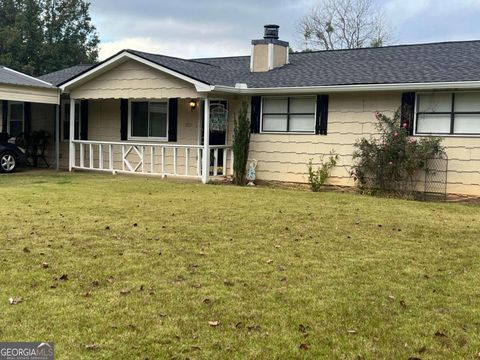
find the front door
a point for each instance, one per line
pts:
(218, 126)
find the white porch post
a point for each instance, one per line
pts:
(57, 137)
(71, 153)
(206, 142)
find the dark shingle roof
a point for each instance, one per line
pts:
(422, 63)
(58, 77)
(12, 77)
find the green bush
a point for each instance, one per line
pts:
(241, 144)
(318, 177)
(391, 162)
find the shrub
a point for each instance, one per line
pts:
(241, 144)
(392, 161)
(317, 178)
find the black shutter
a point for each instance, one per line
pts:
(84, 120)
(407, 111)
(172, 119)
(124, 119)
(321, 127)
(256, 107)
(27, 118)
(4, 115)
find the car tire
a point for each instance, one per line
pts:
(8, 162)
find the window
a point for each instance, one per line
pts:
(288, 114)
(16, 120)
(149, 120)
(448, 113)
(66, 120)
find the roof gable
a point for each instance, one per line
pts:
(122, 57)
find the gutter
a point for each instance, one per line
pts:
(243, 89)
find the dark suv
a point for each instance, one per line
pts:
(11, 156)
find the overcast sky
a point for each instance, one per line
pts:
(202, 28)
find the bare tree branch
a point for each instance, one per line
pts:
(344, 24)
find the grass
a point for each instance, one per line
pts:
(285, 273)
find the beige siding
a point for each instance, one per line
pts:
(132, 79)
(260, 58)
(285, 157)
(29, 94)
(279, 55)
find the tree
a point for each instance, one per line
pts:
(241, 144)
(41, 36)
(70, 36)
(344, 24)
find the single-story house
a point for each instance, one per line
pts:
(145, 113)
(28, 105)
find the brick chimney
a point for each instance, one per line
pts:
(269, 53)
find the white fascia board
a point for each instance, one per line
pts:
(199, 86)
(353, 88)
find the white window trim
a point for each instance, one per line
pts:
(149, 138)
(415, 133)
(289, 132)
(63, 120)
(9, 115)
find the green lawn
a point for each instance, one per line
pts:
(287, 274)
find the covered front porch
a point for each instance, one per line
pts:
(178, 134)
(132, 115)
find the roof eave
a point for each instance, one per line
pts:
(350, 88)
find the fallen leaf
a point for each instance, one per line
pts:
(87, 294)
(26, 250)
(107, 227)
(95, 283)
(239, 325)
(207, 301)
(135, 225)
(213, 323)
(64, 277)
(125, 291)
(15, 301)
(195, 348)
(391, 297)
(302, 328)
(352, 331)
(269, 261)
(45, 265)
(110, 279)
(440, 333)
(91, 346)
(403, 304)
(228, 283)
(304, 346)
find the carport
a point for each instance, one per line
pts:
(29, 111)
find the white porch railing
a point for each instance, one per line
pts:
(150, 159)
